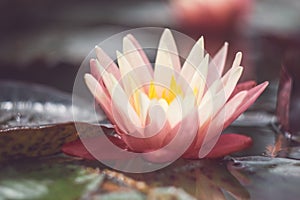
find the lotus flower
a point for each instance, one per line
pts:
(192, 104)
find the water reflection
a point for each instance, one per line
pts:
(204, 179)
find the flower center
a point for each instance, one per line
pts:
(167, 94)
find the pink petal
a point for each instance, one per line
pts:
(243, 86)
(95, 70)
(155, 131)
(198, 140)
(101, 97)
(132, 66)
(141, 52)
(194, 59)
(167, 63)
(217, 123)
(251, 97)
(226, 144)
(107, 63)
(167, 43)
(125, 116)
(137, 144)
(215, 67)
(177, 141)
(95, 144)
(219, 59)
(229, 143)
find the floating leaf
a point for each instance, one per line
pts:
(43, 180)
(35, 120)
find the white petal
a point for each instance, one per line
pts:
(230, 79)
(144, 106)
(193, 60)
(238, 59)
(216, 65)
(188, 104)
(236, 63)
(174, 113)
(95, 88)
(136, 60)
(219, 59)
(206, 108)
(141, 52)
(108, 82)
(232, 105)
(179, 109)
(99, 69)
(124, 65)
(129, 77)
(164, 104)
(198, 81)
(129, 117)
(156, 119)
(167, 59)
(217, 95)
(218, 123)
(107, 63)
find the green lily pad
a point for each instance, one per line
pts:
(38, 180)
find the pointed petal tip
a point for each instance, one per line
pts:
(201, 42)
(167, 33)
(239, 55)
(266, 83)
(263, 85)
(130, 36)
(98, 50)
(91, 82)
(201, 39)
(127, 39)
(119, 54)
(92, 60)
(167, 30)
(87, 77)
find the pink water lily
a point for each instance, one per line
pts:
(149, 106)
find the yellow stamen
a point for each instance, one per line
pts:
(168, 94)
(135, 99)
(152, 91)
(175, 88)
(196, 90)
(136, 102)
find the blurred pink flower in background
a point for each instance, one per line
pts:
(210, 14)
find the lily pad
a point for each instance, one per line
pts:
(45, 180)
(36, 120)
(268, 178)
